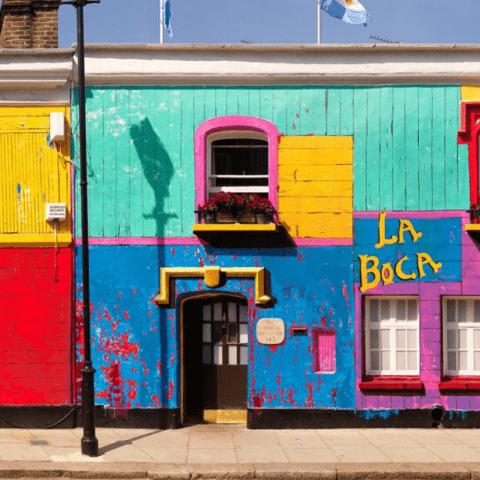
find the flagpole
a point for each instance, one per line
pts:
(161, 21)
(319, 22)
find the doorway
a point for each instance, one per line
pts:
(215, 350)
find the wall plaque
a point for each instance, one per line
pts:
(270, 331)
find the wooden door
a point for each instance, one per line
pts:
(215, 355)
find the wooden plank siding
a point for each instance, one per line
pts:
(406, 155)
(32, 171)
(306, 165)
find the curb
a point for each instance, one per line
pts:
(273, 471)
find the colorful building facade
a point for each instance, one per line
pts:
(359, 306)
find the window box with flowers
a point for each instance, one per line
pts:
(231, 208)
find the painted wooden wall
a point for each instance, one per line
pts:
(33, 172)
(406, 155)
(315, 186)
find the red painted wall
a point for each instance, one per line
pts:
(35, 326)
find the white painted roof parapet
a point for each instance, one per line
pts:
(32, 76)
(187, 64)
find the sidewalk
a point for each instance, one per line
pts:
(232, 451)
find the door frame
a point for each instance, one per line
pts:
(192, 296)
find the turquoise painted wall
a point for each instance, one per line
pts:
(140, 147)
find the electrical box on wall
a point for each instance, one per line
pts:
(57, 126)
(56, 212)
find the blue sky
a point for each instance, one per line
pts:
(273, 21)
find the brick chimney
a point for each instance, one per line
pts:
(29, 24)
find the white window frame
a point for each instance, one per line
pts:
(234, 134)
(469, 345)
(391, 326)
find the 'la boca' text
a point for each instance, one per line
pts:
(372, 272)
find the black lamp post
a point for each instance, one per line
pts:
(89, 441)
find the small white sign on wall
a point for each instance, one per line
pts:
(270, 331)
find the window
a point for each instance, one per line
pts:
(461, 336)
(392, 336)
(238, 163)
(238, 154)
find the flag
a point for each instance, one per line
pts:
(350, 11)
(167, 14)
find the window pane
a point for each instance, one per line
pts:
(412, 338)
(374, 357)
(243, 355)
(401, 310)
(463, 360)
(476, 311)
(385, 310)
(232, 355)
(374, 339)
(450, 311)
(385, 360)
(207, 332)
(207, 354)
(401, 340)
(217, 355)
(243, 314)
(462, 311)
(477, 361)
(374, 311)
(412, 310)
(217, 312)
(451, 361)
(451, 339)
(232, 333)
(401, 361)
(412, 360)
(462, 339)
(207, 312)
(232, 312)
(385, 335)
(243, 333)
(217, 332)
(477, 339)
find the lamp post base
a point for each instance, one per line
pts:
(90, 446)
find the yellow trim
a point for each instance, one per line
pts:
(470, 93)
(472, 227)
(35, 240)
(225, 416)
(234, 227)
(258, 273)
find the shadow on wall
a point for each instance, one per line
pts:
(158, 170)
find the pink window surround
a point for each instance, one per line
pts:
(235, 123)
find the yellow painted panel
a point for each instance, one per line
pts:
(316, 142)
(315, 189)
(32, 111)
(342, 156)
(318, 225)
(17, 124)
(315, 172)
(315, 204)
(470, 93)
(32, 173)
(34, 240)
(225, 416)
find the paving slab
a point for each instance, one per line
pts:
(304, 471)
(212, 456)
(169, 472)
(310, 455)
(359, 453)
(258, 454)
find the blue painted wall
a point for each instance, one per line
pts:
(135, 343)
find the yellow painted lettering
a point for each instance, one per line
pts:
(399, 271)
(387, 274)
(426, 259)
(406, 226)
(381, 233)
(365, 270)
